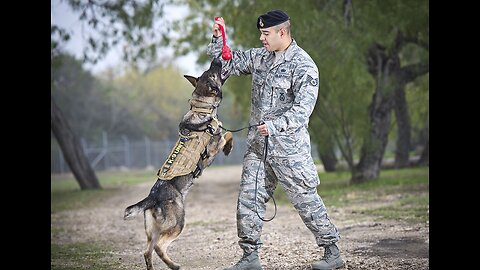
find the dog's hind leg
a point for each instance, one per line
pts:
(152, 238)
(148, 252)
(162, 245)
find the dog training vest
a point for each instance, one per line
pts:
(186, 153)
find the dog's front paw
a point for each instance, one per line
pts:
(227, 148)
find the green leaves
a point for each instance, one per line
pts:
(111, 23)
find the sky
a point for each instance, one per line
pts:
(62, 15)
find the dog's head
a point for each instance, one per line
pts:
(210, 83)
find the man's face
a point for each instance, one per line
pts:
(271, 38)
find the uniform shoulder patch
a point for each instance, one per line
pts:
(312, 81)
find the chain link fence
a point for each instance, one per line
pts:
(123, 153)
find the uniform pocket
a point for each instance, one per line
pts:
(310, 179)
(282, 97)
(304, 171)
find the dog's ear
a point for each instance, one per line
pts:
(192, 80)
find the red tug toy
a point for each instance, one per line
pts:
(226, 53)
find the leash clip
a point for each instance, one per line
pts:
(210, 130)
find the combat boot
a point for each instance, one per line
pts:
(247, 262)
(331, 259)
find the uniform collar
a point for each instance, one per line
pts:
(289, 53)
(291, 50)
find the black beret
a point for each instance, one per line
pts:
(272, 18)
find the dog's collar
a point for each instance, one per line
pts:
(212, 127)
(203, 106)
(202, 110)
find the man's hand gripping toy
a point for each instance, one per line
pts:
(226, 53)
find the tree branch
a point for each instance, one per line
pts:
(410, 72)
(401, 40)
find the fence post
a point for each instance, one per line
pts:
(86, 151)
(126, 150)
(60, 159)
(106, 164)
(147, 151)
(84, 145)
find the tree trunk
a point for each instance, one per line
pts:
(390, 80)
(424, 157)
(323, 139)
(403, 128)
(374, 145)
(383, 68)
(72, 150)
(405, 75)
(328, 158)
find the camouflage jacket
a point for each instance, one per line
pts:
(283, 95)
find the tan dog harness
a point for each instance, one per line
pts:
(188, 150)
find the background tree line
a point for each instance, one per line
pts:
(372, 57)
(369, 53)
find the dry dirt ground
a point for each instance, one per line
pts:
(209, 240)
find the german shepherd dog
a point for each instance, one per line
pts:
(163, 208)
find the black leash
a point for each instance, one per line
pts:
(240, 129)
(256, 183)
(256, 176)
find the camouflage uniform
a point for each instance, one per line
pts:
(283, 96)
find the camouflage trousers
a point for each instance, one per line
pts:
(298, 176)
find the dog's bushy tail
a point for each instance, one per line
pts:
(133, 210)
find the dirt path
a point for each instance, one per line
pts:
(209, 240)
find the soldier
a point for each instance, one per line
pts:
(284, 91)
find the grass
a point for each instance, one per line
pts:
(106, 178)
(401, 193)
(411, 208)
(82, 256)
(65, 192)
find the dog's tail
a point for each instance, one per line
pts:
(133, 210)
